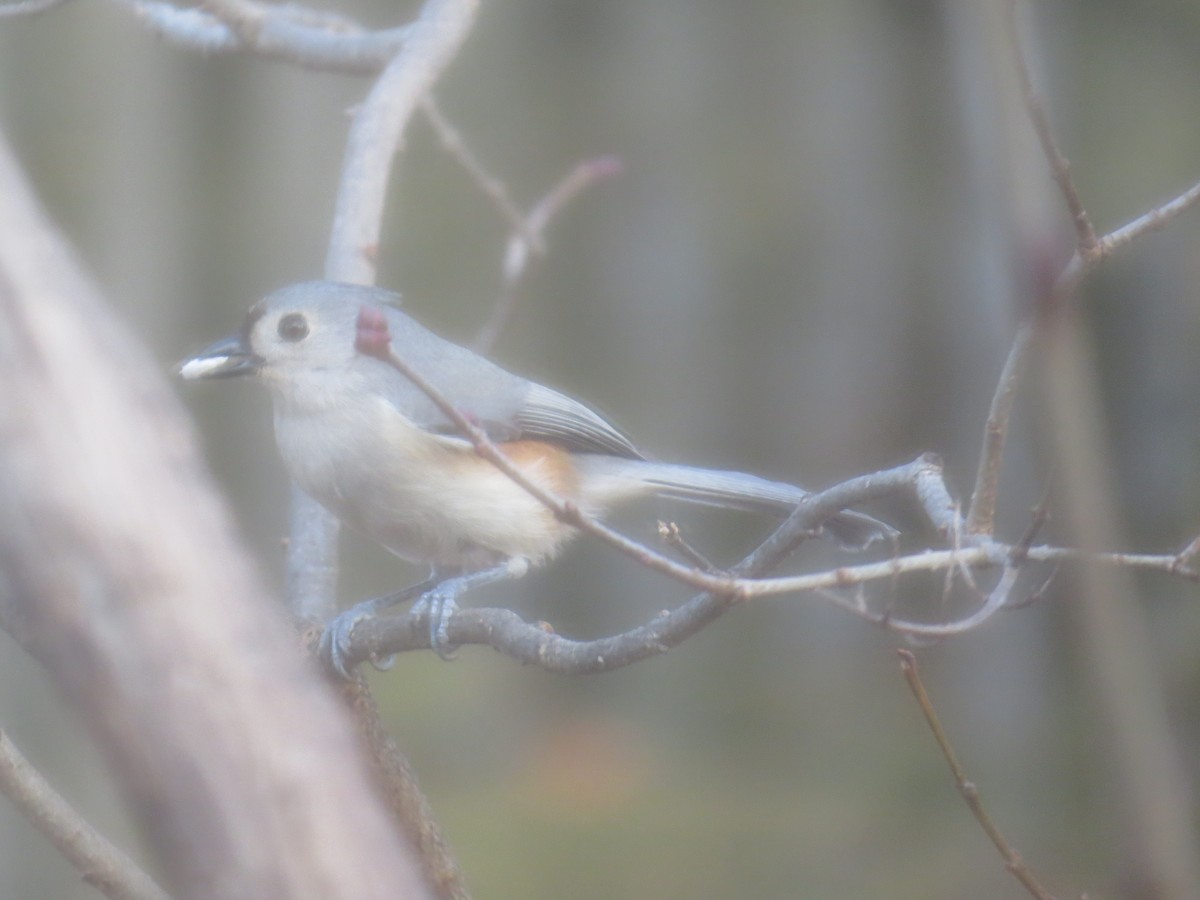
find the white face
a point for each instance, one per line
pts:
(293, 340)
(306, 352)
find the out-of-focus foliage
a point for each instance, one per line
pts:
(805, 271)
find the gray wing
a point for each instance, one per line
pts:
(506, 406)
(552, 416)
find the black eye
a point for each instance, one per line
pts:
(293, 327)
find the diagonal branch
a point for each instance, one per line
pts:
(526, 242)
(28, 8)
(100, 863)
(148, 613)
(966, 787)
(373, 339)
(1089, 252)
(1060, 167)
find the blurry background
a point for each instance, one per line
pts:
(810, 268)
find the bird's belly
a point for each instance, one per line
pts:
(422, 497)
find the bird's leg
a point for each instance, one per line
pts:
(335, 640)
(440, 601)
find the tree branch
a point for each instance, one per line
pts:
(537, 644)
(276, 32)
(373, 339)
(375, 135)
(234, 756)
(99, 862)
(966, 787)
(1090, 252)
(526, 241)
(28, 8)
(1060, 168)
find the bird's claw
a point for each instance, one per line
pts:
(334, 647)
(439, 604)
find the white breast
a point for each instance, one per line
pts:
(424, 497)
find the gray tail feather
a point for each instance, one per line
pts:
(729, 490)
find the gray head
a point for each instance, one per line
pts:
(300, 341)
(303, 327)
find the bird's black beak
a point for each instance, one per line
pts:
(226, 358)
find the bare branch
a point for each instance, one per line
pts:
(1187, 554)
(373, 339)
(1151, 221)
(28, 8)
(455, 145)
(1060, 168)
(237, 760)
(403, 794)
(375, 135)
(100, 863)
(537, 644)
(966, 787)
(672, 535)
(982, 514)
(1037, 521)
(274, 32)
(1037, 595)
(1090, 251)
(527, 239)
(526, 242)
(934, 498)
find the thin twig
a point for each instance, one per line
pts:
(455, 145)
(313, 41)
(1037, 521)
(1151, 221)
(1187, 553)
(534, 644)
(672, 535)
(373, 339)
(521, 250)
(1035, 596)
(403, 794)
(985, 556)
(28, 8)
(1090, 250)
(981, 517)
(100, 863)
(966, 787)
(1060, 168)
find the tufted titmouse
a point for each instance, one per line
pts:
(372, 448)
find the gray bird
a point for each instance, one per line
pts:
(376, 451)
